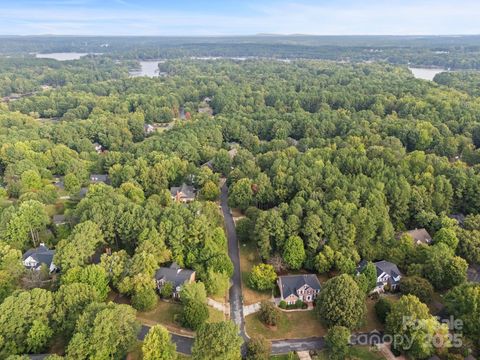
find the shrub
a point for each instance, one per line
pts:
(382, 309)
(166, 291)
(282, 304)
(417, 286)
(268, 313)
(298, 304)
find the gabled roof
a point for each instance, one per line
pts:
(59, 219)
(174, 274)
(97, 178)
(187, 191)
(41, 254)
(420, 236)
(289, 284)
(383, 267)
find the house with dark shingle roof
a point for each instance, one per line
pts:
(98, 178)
(184, 193)
(33, 259)
(387, 275)
(303, 287)
(59, 219)
(174, 275)
(420, 236)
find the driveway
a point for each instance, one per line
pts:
(235, 293)
(184, 343)
(285, 346)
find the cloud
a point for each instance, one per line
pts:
(344, 17)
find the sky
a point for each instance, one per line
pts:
(243, 17)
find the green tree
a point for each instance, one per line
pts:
(217, 341)
(26, 223)
(194, 314)
(411, 319)
(337, 342)
(370, 272)
(446, 236)
(70, 302)
(166, 291)
(382, 308)
(294, 252)
(262, 277)
(341, 303)
(210, 191)
(25, 322)
(268, 313)
(463, 302)
(158, 345)
(193, 291)
(104, 331)
(93, 275)
(417, 286)
(217, 283)
(80, 246)
(258, 348)
(72, 184)
(240, 194)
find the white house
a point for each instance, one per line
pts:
(304, 287)
(387, 275)
(33, 259)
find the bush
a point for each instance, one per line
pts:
(382, 309)
(299, 304)
(336, 341)
(195, 314)
(268, 313)
(166, 291)
(417, 286)
(144, 300)
(258, 348)
(282, 304)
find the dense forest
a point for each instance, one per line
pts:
(334, 161)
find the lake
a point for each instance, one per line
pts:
(426, 73)
(61, 56)
(147, 68)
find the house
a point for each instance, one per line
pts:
(174, 275)
(98, 148)
(387, 275)
(34, 258)
(420, 236)
(303, 287)
(184, 193)
(208, 164)
(98, 178)
(59, 220)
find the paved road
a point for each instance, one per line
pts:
(285, 346)
(235, 293)
(184, 343)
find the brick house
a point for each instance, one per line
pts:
(303, 287)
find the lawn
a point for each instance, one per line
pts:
(284, 357)
(291, 325)
(248, 258)
(167, 314)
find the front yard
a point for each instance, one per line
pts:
(356, 352)
(168, 315)
(248, 258)
(291, 325)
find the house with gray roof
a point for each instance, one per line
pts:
(184, 193)
(59, 219)
(174, 275)
(420, 236)
(388, 275)
(303, 287)
(99, 178)
(33, 259)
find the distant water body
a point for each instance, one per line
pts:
(61, 56)
(147, 68)
(426, 73)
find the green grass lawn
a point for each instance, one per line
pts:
(284, 357)
(248, 258)
(168, 315)
(291, 325)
